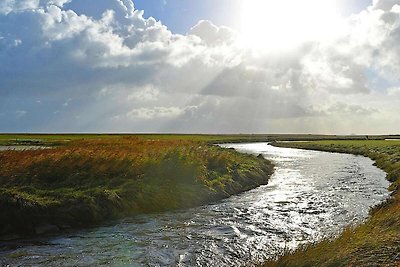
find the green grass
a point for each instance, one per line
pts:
(59, 139)
(377, 241)
(87, 181)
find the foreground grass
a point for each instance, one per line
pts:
(377, 241)
(86, 181)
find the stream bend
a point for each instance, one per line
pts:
(310, 196)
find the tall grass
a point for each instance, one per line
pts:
(89, 181)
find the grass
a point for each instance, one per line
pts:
(377, 241)
(89, 180)
(60, 139)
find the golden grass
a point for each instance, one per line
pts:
(91, 180)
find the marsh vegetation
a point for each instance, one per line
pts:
(85, 182)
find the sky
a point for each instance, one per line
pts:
(210, 66)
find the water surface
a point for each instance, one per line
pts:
(310, 196)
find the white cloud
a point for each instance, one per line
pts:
(154, 112)
(343, 109)
(212, 34)
(394, 91)
(126, 72)
(7, 6)
(147, 93)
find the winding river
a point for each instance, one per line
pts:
(311, 195)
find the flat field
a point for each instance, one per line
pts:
(59, 139)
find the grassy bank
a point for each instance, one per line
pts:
(377, 241)
(88, 180)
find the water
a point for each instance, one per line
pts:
(311, 195)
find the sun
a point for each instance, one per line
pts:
(283, 24)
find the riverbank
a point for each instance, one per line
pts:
(377, 241)
(85, 182)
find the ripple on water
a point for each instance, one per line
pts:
(310, 196)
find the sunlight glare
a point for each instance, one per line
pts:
(283, 24)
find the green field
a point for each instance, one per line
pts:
(377, 241)
(60, 139)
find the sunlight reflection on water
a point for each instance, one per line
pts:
(310, 196)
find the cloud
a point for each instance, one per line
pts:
(8, 6)
(148, 93)
(155, 112)
(20, 113)
(385, 5)
(394, 91)
(128, 72)
(343, 109)
(212, 34)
